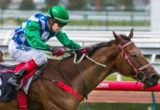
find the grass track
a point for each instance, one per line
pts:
(116, 106)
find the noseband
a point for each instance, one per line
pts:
(136, 67)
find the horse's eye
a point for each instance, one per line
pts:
(133, 55)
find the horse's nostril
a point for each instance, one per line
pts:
(155, 77)
(141, 76)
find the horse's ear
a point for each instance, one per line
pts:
(130, 34)
(116, 36)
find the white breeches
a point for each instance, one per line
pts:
(23, 54)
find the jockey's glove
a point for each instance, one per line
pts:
(57, 51)
(84, 51)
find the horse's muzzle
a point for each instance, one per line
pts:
(151, 81)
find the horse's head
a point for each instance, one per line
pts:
(131, 62)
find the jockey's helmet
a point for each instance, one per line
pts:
(59, 13)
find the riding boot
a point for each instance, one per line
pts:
(15, 79)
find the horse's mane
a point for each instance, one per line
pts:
(95, 47)
(105, 44)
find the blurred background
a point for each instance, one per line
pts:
(107, 14)
(92, 21)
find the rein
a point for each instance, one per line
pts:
(86, 56)
(83, 56)
(136, 68)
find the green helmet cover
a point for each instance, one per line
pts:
(59, 13)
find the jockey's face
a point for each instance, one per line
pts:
(54, 26)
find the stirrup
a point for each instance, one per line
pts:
(13, 82)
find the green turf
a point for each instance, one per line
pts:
(116, 106)
(109, 23)
(112, 77)
(88, 22)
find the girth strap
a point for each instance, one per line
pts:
(69, 89)
(22, 100)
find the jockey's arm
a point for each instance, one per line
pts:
(32, 32)
(63, 38)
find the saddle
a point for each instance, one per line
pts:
(7, 91)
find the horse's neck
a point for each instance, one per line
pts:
(93, 74)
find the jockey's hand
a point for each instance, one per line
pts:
(57, 51)
(84, 51)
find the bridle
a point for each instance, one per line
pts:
(138, 70)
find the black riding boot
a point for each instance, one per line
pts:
(15, 79)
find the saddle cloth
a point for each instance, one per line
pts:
(8, 92)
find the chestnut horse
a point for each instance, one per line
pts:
(119, 55)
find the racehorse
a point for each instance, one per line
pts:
(119, 55)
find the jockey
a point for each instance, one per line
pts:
(31, 37)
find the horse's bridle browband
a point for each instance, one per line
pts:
(126, 57)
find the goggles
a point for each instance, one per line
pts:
(60, 24)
